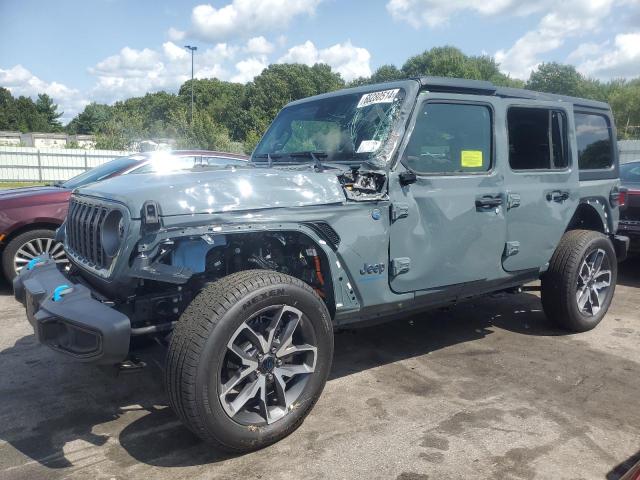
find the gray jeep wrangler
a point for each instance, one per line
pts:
(363, 204)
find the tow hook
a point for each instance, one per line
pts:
(131, 364)
(60, 292)
(34, 262)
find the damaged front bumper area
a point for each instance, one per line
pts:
(67, 318)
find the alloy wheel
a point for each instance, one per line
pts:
(268, 362)
(594, 282)
(36, 247)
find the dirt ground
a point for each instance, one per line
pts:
(488, 389)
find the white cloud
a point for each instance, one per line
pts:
(559, 21)
(620, 60)
(434, 13)
(249, 68)
(259, 46)
(245, 17)
(570, 18)
(20, 81)
(134, 72)
(175, 35)
(345, 58)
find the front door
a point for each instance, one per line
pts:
(449, 226)
(542, 182)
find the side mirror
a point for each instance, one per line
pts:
(407, 178)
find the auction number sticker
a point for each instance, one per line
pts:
(383, 96)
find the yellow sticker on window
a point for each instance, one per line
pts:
(471, 158)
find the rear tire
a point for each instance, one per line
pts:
(578, 287)
(30, 244)
(215, 343)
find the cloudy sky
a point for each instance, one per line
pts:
(79, 51)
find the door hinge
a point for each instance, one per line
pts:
(513, 200)
(400, 265)
(511, 249)
(399, 210)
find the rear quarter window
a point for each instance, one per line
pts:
(595, 141)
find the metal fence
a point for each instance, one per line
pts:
(629, 150)
(27, 164)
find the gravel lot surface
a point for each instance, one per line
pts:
(488, 389)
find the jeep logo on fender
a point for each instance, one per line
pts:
(376, 268)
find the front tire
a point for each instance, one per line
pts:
(249, 359)
(27, 246)
(578, 287)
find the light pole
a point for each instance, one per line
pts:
(193, 49)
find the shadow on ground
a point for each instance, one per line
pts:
(55, 401)
(41, 382)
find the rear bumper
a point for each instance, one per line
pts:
(621, 245)
(631, 229)
(74, 323)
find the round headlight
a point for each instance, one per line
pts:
(112, 232)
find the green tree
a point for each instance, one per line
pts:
(561, 79)
(203, 133)
(49, 110)
(91, 120)
(385, 73)
(280, 84)
(625, 103)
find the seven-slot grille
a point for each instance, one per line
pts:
(83, 232)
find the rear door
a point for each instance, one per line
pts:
(542, 181)
(448, 227)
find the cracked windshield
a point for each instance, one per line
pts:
(341, 128)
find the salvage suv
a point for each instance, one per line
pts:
(362, 204)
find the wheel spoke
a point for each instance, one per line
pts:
(584, 275)
(24, 253)
(291, 349)
(280, 387)
(277, 319)
(597, 262)
(293, 370)
(594, 300)
(603, 273)
(47, 249)
(32, 247)
(236, 379)
(56, 250)
(286, 338)
(247, 393)
(257, 340)
(583, 296)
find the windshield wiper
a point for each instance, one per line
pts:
(314, 155)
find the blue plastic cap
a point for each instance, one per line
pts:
(60, 291)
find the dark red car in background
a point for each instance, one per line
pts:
(29, 216)
(629, 225)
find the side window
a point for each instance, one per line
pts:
(594, 138)
(450, 138)
(537, 139)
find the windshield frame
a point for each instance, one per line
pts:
(380, 159)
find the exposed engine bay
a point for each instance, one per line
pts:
(362, 184)
(210, 259)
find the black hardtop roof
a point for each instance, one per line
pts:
(461, 85)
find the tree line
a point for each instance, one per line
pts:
(232, 116)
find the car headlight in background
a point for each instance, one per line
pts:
(112, 232)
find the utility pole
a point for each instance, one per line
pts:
(193, 49)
